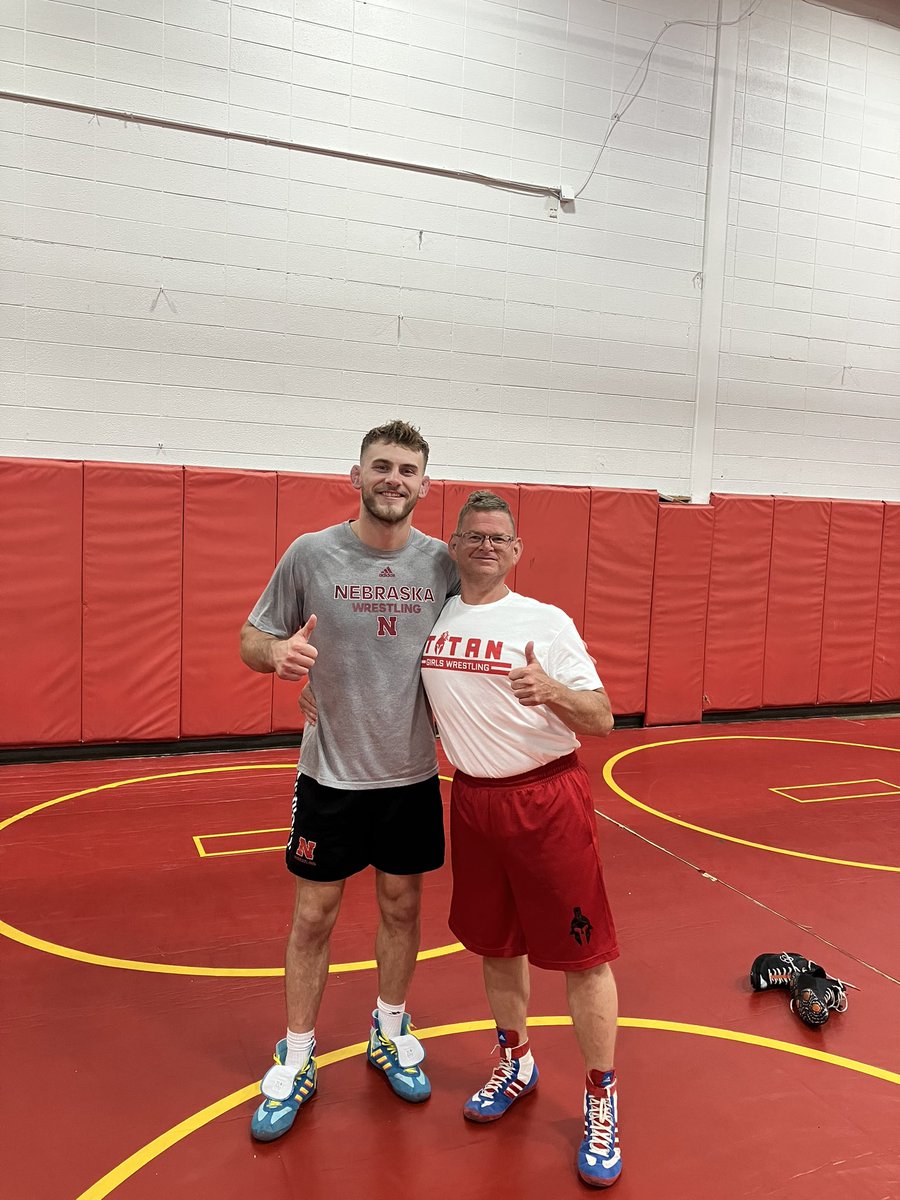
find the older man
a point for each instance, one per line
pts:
(511, 684)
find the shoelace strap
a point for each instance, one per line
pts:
(600, 1131)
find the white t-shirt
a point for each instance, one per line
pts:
(484, 729)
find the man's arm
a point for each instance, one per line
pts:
(584, 712)
(290, 658)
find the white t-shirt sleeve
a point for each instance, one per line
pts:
(569, 662)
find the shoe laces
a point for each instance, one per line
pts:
(787, 970)
(834, 996)
(502, 1075)
(600, 1129)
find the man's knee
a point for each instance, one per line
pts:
(400, 899)
(315, 912)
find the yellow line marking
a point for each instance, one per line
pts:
(200, 838)
(136, 964)
(242, 833)
(892, 790)
(127, 964)
(610, 764)
(130, 1166)
(103, 787)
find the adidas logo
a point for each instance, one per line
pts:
(387, 573)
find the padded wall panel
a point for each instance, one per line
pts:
(429, 514)
(618, 591)
(310, 502)
(796, 598)
(851, 602)
(553, 525)
(886, 667)
(456, 492)
(229, 555)
(131, 649)
(738, 598)
(678, 615)
(40, 601)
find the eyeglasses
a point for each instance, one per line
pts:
(499, 541)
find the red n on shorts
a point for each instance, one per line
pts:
(527, 877)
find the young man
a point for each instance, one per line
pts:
(350, 608)
(511, 683)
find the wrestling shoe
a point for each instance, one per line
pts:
(814, 995)
(599, 1160)
(508, 1082)
(778, 970)
(399, 1059)
(284, 1091)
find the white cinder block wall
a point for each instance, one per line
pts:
(182, 297)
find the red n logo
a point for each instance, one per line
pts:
(305, 849)
(387, 626)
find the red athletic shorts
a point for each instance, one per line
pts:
(526, 869)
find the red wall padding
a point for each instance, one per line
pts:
(429, 514)
(886, 667)
(131, 651)
(618, 591)
(796, 598)
(40, 601)
(750, 603)
(738, 599)
(554, 524)
(851, 600)
(229, 554)
(678, 615)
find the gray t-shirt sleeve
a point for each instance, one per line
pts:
(279, 610)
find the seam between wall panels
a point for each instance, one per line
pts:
(715, 233)
(877, 600)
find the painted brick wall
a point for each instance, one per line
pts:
(173, 297)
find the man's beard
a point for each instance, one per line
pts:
(387, 515)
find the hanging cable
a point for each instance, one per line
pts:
(620, 112)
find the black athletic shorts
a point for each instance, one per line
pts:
(337, 832)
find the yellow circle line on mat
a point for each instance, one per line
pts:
(130, 1166)
(129, 964)
(610, 764)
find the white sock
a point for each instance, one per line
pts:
(390, 1017)
(299, 1048)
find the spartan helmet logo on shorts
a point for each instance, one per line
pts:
(580, 927)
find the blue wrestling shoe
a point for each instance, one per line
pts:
(399, 1059)
(284, 1091)
(508, 1082)
(599, 1160)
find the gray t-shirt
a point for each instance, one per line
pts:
(375, 610)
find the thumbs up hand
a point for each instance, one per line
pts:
(295, 656)
(531, 684)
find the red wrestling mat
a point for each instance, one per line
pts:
(125, 1079)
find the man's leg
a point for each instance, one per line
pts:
(292, 1081)
(507, 983)
(594, 1006)
(392, 1049)
(397, 940)
(593, 1003)
(508, 986)
(316, 906)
